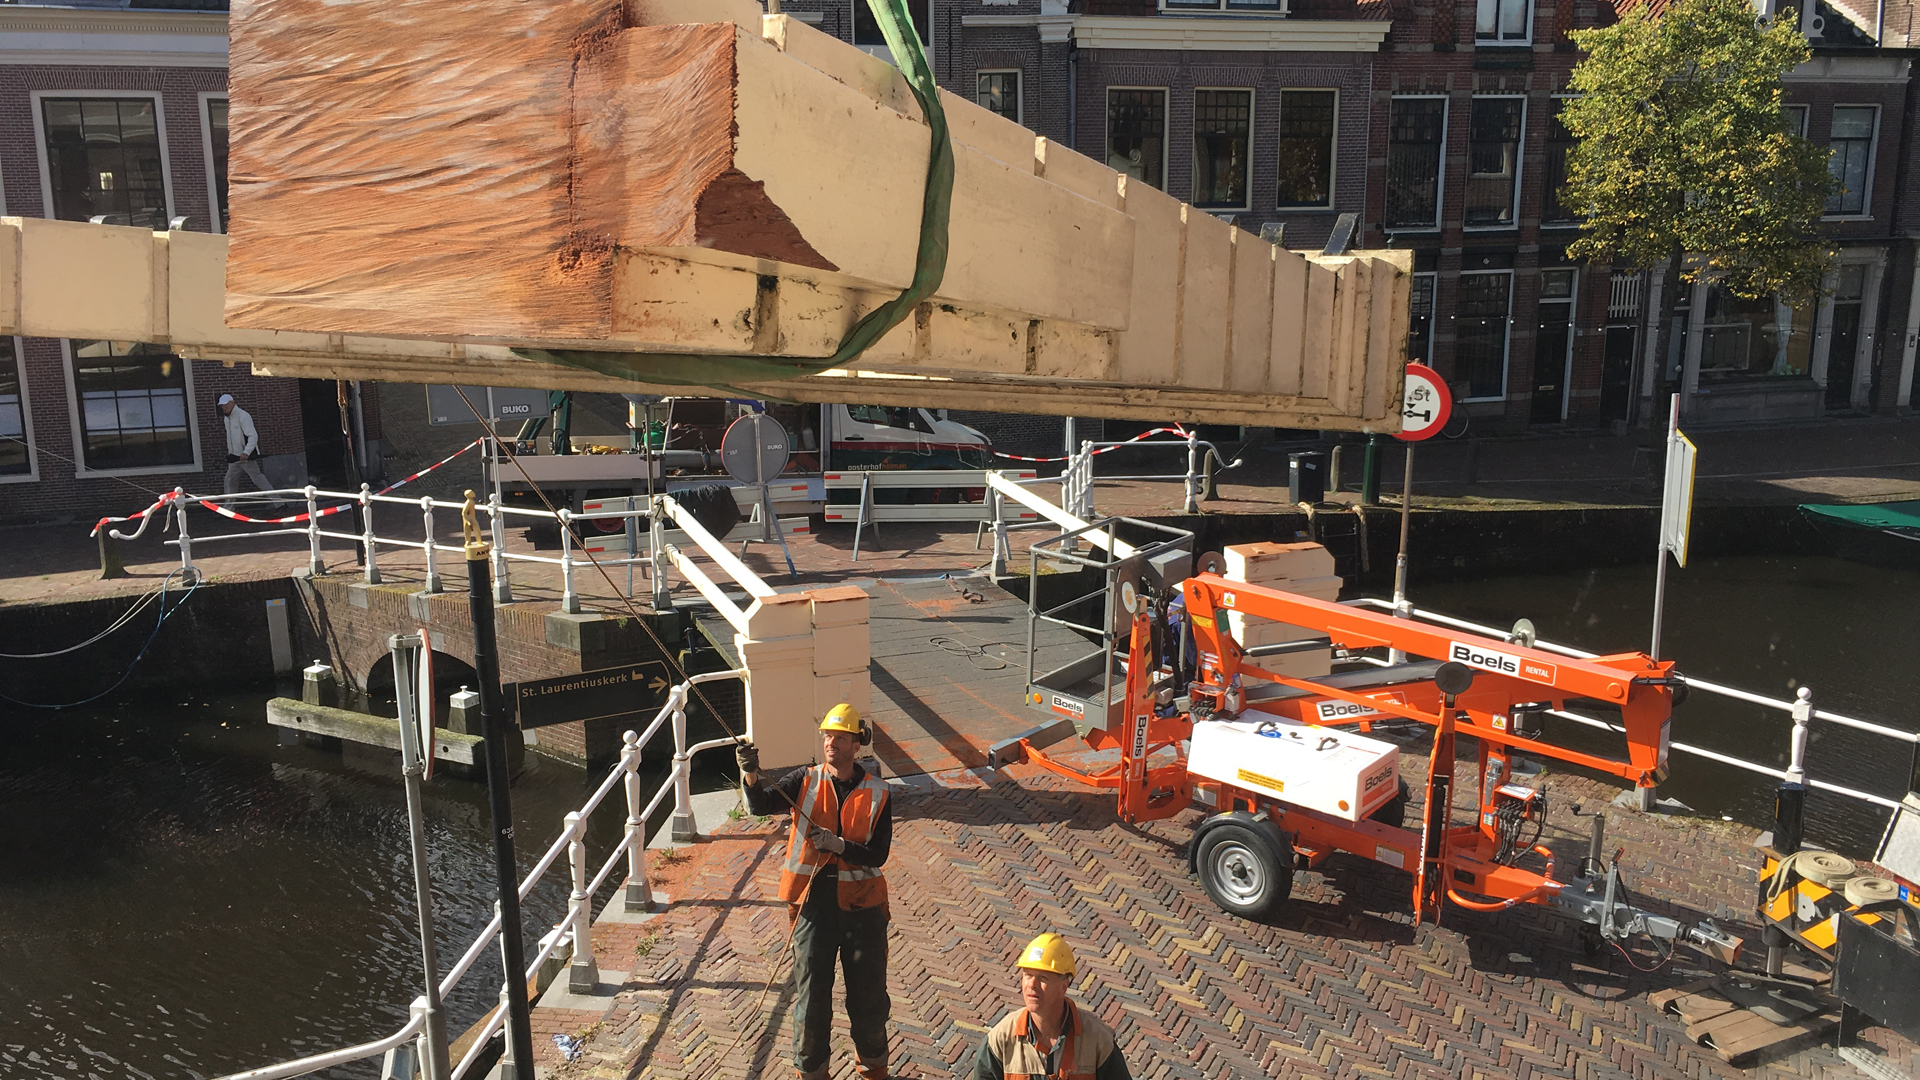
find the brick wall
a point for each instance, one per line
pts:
(1266, 73)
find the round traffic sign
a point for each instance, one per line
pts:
(755, 448)
(1425, 405)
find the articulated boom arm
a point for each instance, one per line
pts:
(1506, 676)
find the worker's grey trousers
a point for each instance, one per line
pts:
(858, 939)
(251, 467)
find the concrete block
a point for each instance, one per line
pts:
(853, 687)
(841, 605)
(782, 615)
(357, 594)
(585, 632)
(1267, 562)
(842, 648)
(420, 607)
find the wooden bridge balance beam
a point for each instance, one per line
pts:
(645, 177)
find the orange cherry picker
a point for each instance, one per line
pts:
(1288, 773)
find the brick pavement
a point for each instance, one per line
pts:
(1343, 985)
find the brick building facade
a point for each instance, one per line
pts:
(117, 112)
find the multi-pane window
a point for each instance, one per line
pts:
(866, 28)
(1795, 117)
(1221, 120)
(1137, 134)
(1762, 336)
(1852, 144)
(133, 405)
(1493, 161)
(1501, 21)
(1222, 5)
(1560, 144)
(1306, 147)
(1480, 319)
(1420, 324)
(217, 146)
(999, 92)
(103, 160)
(14, 458)
(1416, 133)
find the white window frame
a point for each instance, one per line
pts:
(1519, 166)
(1432, 279)
(32, 475)
(1253, 106)
(1506, 341)
(1333, 150)
(1020, 89)
(80, 469)
(1873, 160)
(1440, 182)
(1496, 42)
(1572, 301)
(40, 140)
(1806, 115)
(1166, 132)
(1222, 7)
(207, 97)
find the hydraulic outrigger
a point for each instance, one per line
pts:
(1289, 775)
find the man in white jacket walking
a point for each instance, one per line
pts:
(243, 447)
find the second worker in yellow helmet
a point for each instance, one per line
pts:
(1050, 1037)
(841, 832)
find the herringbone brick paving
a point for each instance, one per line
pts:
(1342, 986)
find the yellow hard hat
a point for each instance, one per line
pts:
(1048, 952)
(843, 717)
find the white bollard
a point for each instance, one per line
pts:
(366, 534)
(582, 975)
(639, 889)
(316, 564)
(426, 546)
(502, 586)
(569, 600)
(683, 829)
(1802, 713)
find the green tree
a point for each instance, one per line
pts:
(1683, 153)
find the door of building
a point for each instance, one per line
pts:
(1553, 347)
(1616, 374)
(1844, 344)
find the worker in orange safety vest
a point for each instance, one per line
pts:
(842, 829)
(1051, 1038)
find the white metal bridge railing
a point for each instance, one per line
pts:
(1801, 711)
(570, 935)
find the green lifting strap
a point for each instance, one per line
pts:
(723, 371)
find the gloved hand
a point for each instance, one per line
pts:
(747, 756)
(826, 841)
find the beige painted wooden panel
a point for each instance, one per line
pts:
(743, 13)
(1070, 351)
(1316, 349)
(85, 281)
(1386, 353)
(1205, 283)
(1350, 325)
(988, 132)
(857, 68)
(707, 308)
(1253, 260)
(1289, 322)
(977, 342)
(1147, 349)
(9, 275)
(1077, 173)
(196, 297)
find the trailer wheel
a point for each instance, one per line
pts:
(1242, 875)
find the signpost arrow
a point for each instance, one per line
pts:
(590, 695)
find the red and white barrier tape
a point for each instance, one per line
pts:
(1175, 430)
(302, 516)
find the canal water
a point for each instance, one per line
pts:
(1767, 625)
(183, 896)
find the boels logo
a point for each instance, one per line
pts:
(1068, 707)
(1333, 710)
(1502, 663)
